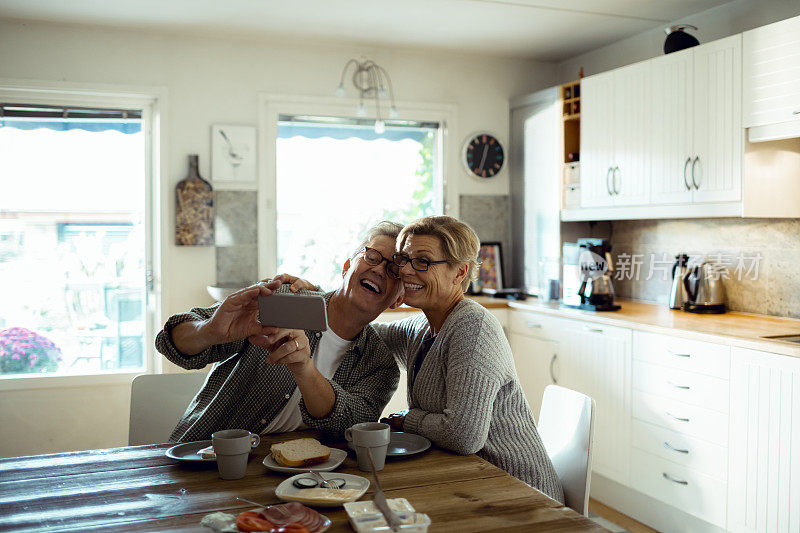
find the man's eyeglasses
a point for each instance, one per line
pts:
(374, 258)
(419, 264)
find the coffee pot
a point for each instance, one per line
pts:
(677, 295)
(705, 292)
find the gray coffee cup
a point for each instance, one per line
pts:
(232, 447)
(373, 436)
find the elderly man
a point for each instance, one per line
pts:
(268, 380)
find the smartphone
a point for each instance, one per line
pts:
(293, 311)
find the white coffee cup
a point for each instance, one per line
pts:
(232, 448)
(372, 436)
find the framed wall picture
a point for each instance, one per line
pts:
(233, 153)
(490, 273)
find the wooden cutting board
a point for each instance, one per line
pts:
(194, 209)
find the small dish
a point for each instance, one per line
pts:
(187, 452)
(333, 462)
(403, 444)
(356, 486)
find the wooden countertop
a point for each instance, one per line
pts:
(744, 330)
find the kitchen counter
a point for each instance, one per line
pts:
(732, 328)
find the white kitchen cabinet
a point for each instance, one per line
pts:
(771, 75)
(718, 137)
(596, 360)
(764, 466)
(597, 148)
(630, 177)
(535, 361)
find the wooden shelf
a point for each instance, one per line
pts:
(572, 117)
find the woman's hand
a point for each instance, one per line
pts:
(296, 284)
(396, 420)
(288, 347)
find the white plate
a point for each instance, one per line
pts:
(187, 452)
(286, 491)
(403, 444)
(333, 462)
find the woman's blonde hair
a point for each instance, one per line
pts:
(459, 242)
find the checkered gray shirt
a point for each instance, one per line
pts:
(244, 391)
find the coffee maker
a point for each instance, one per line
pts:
(587, 275)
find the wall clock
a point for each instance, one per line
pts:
(483, 155)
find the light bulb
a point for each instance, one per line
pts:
(339, 90)
(362, 109)
(393, 112)
(380, 127)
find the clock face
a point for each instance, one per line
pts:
(484, 155)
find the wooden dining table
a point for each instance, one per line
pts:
(139, 488)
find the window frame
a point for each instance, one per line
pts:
(271, 106)
(153, 103)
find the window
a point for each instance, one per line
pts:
(72, 240)
(336, 177)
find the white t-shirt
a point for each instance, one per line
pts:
(329, 353)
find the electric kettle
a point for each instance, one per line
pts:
(705, 292)
(677, 296)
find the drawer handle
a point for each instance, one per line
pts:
(533, 325)
(552, 374)
(669, 447)
(677, 417)
(678, 481)
(796, 112)
(678, 354)
(593, 330)
(684, 387)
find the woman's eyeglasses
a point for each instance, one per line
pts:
(420, 264)
(374, 258)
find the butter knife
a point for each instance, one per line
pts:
(380, 499)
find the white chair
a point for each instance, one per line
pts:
(566, 425)
(157, 403)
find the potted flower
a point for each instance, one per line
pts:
(25, 351)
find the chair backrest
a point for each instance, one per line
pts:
(566, 426)
(157, 403)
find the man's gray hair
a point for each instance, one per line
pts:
(384, 228)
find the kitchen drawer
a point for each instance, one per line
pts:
(695, 389)
(692, 356)
(682, 417)
(687, 451)
(684, 488)
(535, 324)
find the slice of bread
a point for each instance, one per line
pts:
(300, 452)
(207, 453)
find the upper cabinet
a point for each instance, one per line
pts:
(771, 72)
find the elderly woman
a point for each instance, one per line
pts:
(463, 390)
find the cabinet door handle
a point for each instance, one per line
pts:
(796, 112)
(678, 481)
(593, 330)
(684, 387)
(678, 354)
(676, 417)
(608, 183)
(694, 163)
(669, 447)
(614, 180)
(685, 177)
(533, 325)
(552, 374)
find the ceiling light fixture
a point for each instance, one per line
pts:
(372, 81)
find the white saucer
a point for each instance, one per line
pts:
(403, 444)
(286, 491)
(333, 462)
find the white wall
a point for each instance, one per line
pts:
(210, 81)
(721, 21)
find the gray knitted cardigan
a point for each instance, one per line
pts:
(467, 397)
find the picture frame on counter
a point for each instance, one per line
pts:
(233, 153)
(490, 271)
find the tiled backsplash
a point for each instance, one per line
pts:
(765, 249)
(236, 236)
(489, 217)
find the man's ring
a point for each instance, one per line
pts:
(297, 349)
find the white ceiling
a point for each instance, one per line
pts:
(549, 30)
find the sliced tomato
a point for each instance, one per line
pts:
(252, 521)
(294, 527)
